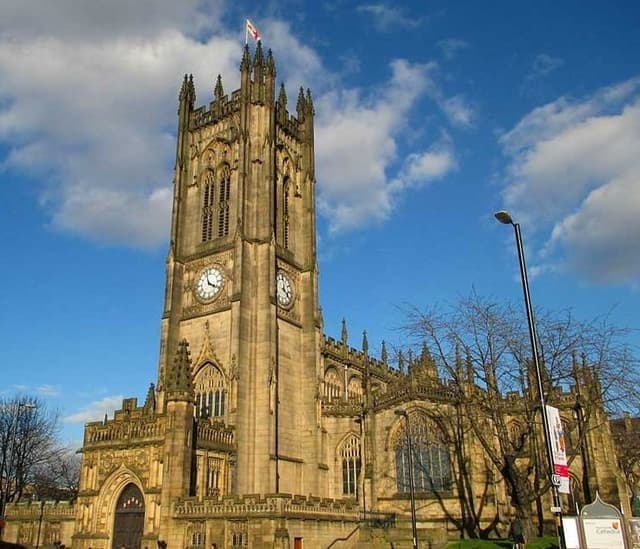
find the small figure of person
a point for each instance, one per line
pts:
(516, 534)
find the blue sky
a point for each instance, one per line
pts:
(430, 116)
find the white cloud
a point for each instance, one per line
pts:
(101, 20)
(544, 64)
(96, 410)
(458, 111)
(450, 47)
(456, 108)
(357, 142)
(575, 169)
(422, 168)
(386, 17)
(94, 118)
(297, 64)
(87, 109)
(48, 390)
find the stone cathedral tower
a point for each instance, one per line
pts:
(242, 277)
(263, 432)
(236, 411)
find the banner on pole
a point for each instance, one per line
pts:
(560, 473)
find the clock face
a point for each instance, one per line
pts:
(284, 289)
(209, 284)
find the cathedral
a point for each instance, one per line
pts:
(260, 430)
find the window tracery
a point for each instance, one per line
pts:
(431, 462)
(355, 392)
(210, 392)
(332, 386)
(351, 464)
(285, 212)
(223, 201)
(208, 192)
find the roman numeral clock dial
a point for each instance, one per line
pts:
(210, 284)
(284, 290)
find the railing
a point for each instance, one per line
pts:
(345, 538)
(374, 519)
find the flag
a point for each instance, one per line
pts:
(253, 31)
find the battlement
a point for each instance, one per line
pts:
(218, 109)
(115, 432)
(52, 510)
(215, 436)
(281, 505)
(342, 409)
(342, 353)
(438, 393)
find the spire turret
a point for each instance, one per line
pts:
(218, 91)
(344, 336)
(282, 105)
(258, 58)
(271, 65)
(383, 353)
(365, 343)
(282, 98)
(458, 363)
(150, 401)
(401, 362)
(188, 91)
(300, 105)
(258, 67)
(310, 109)
(178, 383)
(245, 64)
(469, 364)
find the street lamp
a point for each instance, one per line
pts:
(412, 494)
(11, 447)
(505, 218)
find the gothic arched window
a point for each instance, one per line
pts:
(431, 464)
(214, 476)
(354, 390)
(208, 192)
(210, 392)
(517, 436)
(223, 201)
(351, 463)
(332, 386)
(285, 212)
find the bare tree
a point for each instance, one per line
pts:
(27, 441)
(481, 348)
(59, 477)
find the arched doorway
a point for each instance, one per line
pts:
(128, 524)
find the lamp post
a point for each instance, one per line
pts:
(11, 447)
(504, 217)
(412, 494)
(584, 452)
(40, 523)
